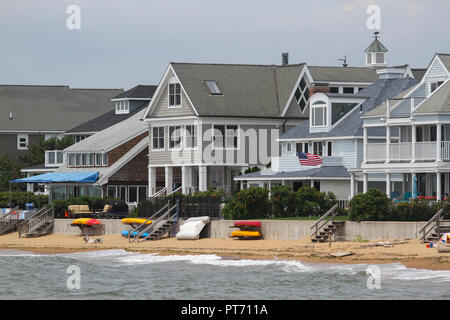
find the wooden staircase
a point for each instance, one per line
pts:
(39, 224)
(434, 228)
(8, 223)
(159, 232)
(325, 227)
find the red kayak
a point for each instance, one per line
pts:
(247, 223)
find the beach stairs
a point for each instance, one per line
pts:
(39, 224)
(434, 228)
(328, 231)
(9, 224)
(165, 228)
(324, 228)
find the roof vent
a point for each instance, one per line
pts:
(285, 58)
(10, 116)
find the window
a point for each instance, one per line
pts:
(369, 58)
(216, 177)
(317, 148)
(71, 159)
(334, 89)
(302, 94)
(288, 147)
(174, 137)
(329, 149)
(105, 159)
(174, 94)
(59, 157)
(435, 85)
(379, 56)
(433, 135)
(122, 106)
(306, 147)
(419, 134)
(349, 90)
(112, 191)
(213, 88)
(142, 193)
(53, 157)
(225, 136)
(338, 110)
(84, 159)
(78, 159)
(132, 194)
(91, 159)
(122, 193)
(319, 114)
(22, 142)
(158, 137)
(191, 136)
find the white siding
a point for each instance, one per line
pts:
(341, 189)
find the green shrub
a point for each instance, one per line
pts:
(285, 202)
(371, 206)
(20, 198)
(251, 203)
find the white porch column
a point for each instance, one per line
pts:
(169, 178)
(312, 183)
(388, 143)
(151, 181)
(352, 185)
(438, 186)
(413, 143)
(438, 142)
(365, 145)
(185, 180)
(283, 182)
(365, 182)
(242, 184)
(30, 185)
(413, 177)
(202, 178)
(388, 184)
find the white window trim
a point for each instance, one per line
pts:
(185, 137)
(180, 136)
(168, 96)
(325, 115)
(225, 147)
(122, 107)
(115, 188)
(164, 137)
(103, 159)
(22, 136)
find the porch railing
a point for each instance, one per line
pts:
(403, 151)
(376, 152)
(426, 150)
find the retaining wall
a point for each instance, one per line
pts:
(280, 229)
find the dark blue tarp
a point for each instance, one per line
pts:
(55, 177)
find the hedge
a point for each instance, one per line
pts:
(20, 198)
(255, 203)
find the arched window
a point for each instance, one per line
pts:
(319, 114)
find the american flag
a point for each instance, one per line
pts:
(309, 159)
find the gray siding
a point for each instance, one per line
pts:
(346, 149)
(403, 109)
(437, 70)
(8, 143)
(162, 109)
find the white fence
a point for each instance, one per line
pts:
(403, 151)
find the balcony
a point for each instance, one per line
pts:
(406, 151)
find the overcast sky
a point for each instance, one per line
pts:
(125, 43)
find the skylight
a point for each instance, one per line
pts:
(213, 88)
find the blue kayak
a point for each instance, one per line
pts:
(133, 234)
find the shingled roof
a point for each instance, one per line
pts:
(51, 108)
(138, 92)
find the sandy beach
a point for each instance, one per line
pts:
(412, 253)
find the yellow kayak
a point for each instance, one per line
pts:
(85, 222)
(240, 233)
(135, 221)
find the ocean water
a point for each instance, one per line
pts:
(118, 274)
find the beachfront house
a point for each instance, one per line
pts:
(209, 122)
(416, 144)
(334, 134)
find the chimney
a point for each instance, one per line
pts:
(285, 58)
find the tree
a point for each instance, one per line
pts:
(9, 170)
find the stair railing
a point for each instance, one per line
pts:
(151, 227)
(158, 194)
(434, 224)
(36, 220)
(174, 191)
(326, 218)
(143, 225)
(6, 221)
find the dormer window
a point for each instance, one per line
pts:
(122, 106)
(435, 85)
(319, 114)
(174, 94)
(213, 88)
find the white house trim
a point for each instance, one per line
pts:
(291, 96)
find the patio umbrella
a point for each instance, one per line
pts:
(414, 187)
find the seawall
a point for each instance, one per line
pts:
(280, 229)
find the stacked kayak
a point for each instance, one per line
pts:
(135, 221)
(85, 222)
(248, 230)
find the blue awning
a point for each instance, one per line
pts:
(55, 177)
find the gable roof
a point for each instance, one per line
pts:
(351, 124)
(247, 90)
(138, 92)
(104, 121)
(445, 58)
(112, 136)
(51, 108)
(343, 74)
(437, 102)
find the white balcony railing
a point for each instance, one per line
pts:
(400, 151)
(424, 151)
(376, 152)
